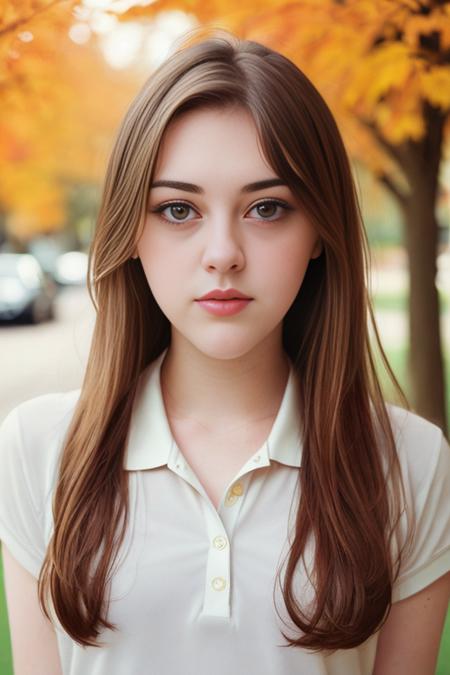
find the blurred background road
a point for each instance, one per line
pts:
(49, 356)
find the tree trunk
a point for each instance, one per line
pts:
(419, 162)
(425, 359)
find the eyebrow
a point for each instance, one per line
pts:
(190, 187)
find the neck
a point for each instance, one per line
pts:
(223, 394)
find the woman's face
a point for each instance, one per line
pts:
(220, 235)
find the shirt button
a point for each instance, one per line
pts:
(237, 489)
(230, 499)
(218, 583)
(219, 542)
(257, 458)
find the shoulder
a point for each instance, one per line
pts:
(424, 455)
(31, 438)
(32, 432)
(409, 426)
(43, 415)
(420, 443)
(46, 410)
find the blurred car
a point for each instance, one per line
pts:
(26, 292)
(71, 268)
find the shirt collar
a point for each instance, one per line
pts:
(150, 439)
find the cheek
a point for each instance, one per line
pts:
(163, 268)
(283, 269)
(163, 279)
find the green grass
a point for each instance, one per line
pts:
(443, 665)
(397, 360)
(5, 647)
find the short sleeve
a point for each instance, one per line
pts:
(428, 557)
(21, 522)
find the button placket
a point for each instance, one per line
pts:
(216, 601)
(219, 524)
(234, 498)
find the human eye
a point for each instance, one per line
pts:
(170, 205)
(277, 203)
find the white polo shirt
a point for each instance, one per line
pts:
(193, 587)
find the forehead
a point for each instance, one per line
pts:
(206, 145)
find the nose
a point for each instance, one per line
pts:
(223, 249)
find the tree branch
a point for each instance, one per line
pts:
(392, 150)
(399, 194)
(10, 27)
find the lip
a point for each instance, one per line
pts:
(224, 307)
(228, 294)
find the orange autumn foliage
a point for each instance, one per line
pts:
(374, 61)
(56, 124)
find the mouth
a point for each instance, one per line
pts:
(224, 295)
(221, 299)
(224, 306)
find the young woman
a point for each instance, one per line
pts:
(228, 491)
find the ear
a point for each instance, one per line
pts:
(135, 255)
(318, 248)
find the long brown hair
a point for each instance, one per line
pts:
(351, 494)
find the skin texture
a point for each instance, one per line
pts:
(223, 372)
(409, 641)
(33, 638)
